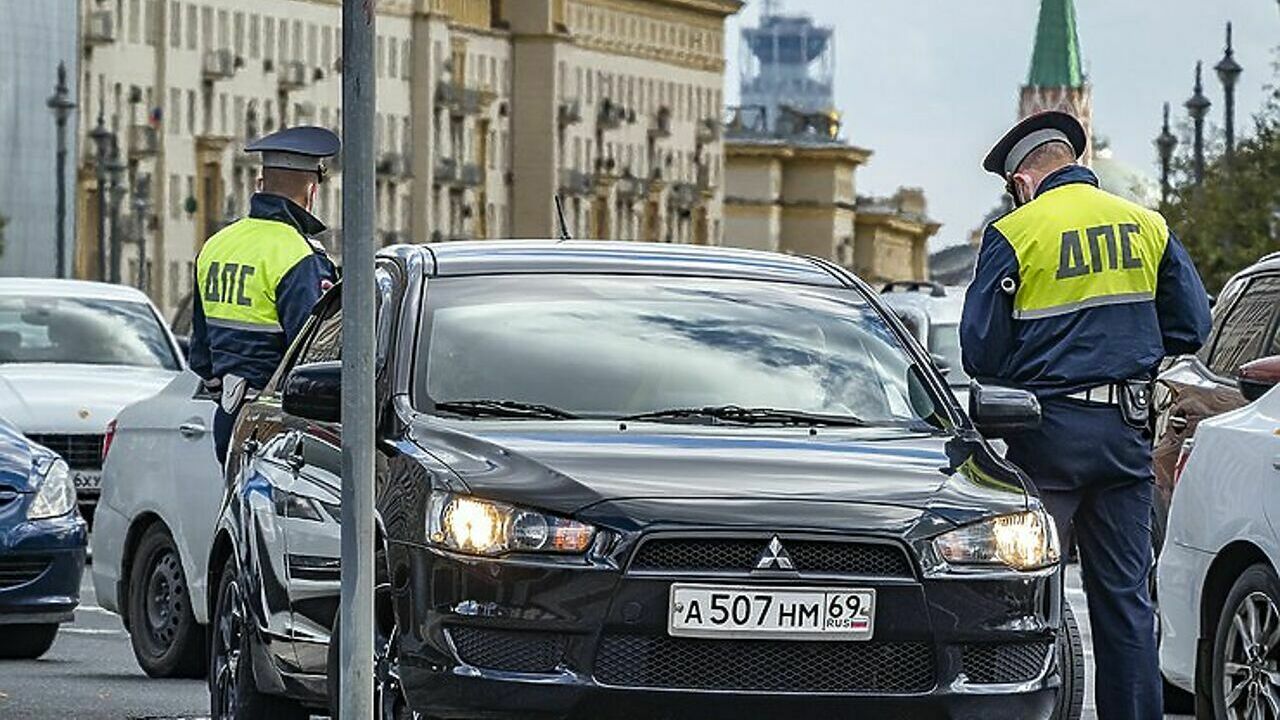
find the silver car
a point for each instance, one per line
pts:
(932, 313)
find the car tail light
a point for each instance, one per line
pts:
(1183, 456)
(107, 437)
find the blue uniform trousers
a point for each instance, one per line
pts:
(1094, 475)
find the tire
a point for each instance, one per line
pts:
(232, 692)
(166, 639)
(1070, 705)
(27, 642)
(1251, 654)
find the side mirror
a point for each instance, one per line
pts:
(1259, 376)
(1000, 411)
(314, 392)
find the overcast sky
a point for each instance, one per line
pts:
(929, 85)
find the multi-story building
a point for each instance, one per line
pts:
(790, 178)
(486, 108)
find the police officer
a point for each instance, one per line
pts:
(258, 278)
(1077, 296)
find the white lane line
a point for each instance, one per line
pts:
(91, 631)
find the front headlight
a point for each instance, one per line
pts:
(482, 527)
(1022, 541)
(55, 495)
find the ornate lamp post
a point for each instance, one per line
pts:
(61, 104)
(141, 206)
(1198, 106)
(1229, 75)
(103, 139)
(1166, 143)
(115, 171)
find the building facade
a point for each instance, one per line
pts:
(485, 109)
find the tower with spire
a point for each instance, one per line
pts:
(1057, 80)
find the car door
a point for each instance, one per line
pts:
(1201, 386)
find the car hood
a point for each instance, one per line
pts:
(55, 398)
(568, 467)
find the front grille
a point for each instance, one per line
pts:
(833, 557)
(1008, 663)
(510, 650)
(765, 665)
(18, 570)
(82, 452)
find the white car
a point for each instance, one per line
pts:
(932, 313)
(72, 355)
(1218, 586)
(161, 490)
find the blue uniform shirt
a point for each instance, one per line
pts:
(257, 282)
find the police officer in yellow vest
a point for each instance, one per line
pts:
(1077, 296)
(258, 278)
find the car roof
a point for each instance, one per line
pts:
(490, 257)
(50, 287)
(945, 310)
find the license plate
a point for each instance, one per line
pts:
(718, 611)
(89, 480)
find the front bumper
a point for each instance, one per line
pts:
(511, 638)
(41, 565)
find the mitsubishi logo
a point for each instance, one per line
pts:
(774, 557)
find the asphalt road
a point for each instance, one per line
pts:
(90, 674)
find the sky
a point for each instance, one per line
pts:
(930, 85)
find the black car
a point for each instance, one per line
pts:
(620, 480)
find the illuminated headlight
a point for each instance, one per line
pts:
(55, 494)
(482, 527)
(1022, 541)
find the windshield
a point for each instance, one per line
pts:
(944, 340)
(82, 331)
(577, 346)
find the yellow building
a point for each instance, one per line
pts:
(486, 108)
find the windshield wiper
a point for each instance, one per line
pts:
(503, 408)
(750, 416)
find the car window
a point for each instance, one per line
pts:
(612, 346)
(83, 331)
(1243, 335)
(325, 344)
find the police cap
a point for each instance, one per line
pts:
(302, 148)
(1039, 129)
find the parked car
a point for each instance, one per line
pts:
(42, 546)
(1220, 599)
(72, 355)
(632, 480)
(931, 313)
(161, 490)
(1246, 326)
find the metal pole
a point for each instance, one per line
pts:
(62, 105)
(358, 98)
(100, 138)
(115, 169)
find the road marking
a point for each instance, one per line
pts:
(95, 609)
(91, 631)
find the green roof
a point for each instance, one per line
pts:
(1056, 60)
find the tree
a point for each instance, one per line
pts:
(1232, 218)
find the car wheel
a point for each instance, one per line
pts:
(1070, 705)
(1246, 648)
(232, 693)
(27, 642)
(389, 702)
(167, 641)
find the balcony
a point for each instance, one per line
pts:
(292, 76)
(575, 183)
(632, 189)
(100, 28)
(392, 166)
(472, 175)
(569, 113)
(462, 101)
(611, 115)
(446, 171)
(144, 142)
(709, 131)
(685, 197)
(661, 124)
(218, 65)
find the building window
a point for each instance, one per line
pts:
(326, 47)
(381, 57)
(175, 287)
(297, 41)
(313, 45)
(283, 45)
(269, 38)
(404, 60)
(175, 198)
(175, 25)
(393, 58)
(238, 34)
(174, 114)
(191, 112)
(255, 43)
(224, 30)
(134, 23)
(206, 28)
(193, 29)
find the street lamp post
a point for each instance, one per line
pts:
(115, 171)
(61, 104)
(141, 204)
(1229, 75)
(1166, 143)
(1198, 106)
(102, 139)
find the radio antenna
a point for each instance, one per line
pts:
(564, 225)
